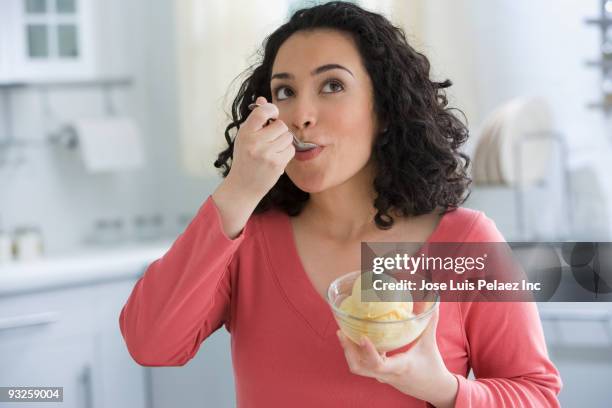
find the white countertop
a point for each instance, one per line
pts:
(88, 265)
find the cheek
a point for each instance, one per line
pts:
(355, 138)
(352, 122)
(353, 154)
(352, 128)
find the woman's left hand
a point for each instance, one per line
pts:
(419, 372)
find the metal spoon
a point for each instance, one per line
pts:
(299, 145)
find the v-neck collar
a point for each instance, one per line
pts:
(291, 275)
(289, 271)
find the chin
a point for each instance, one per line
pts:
(308, 185)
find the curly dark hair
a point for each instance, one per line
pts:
(419, 167)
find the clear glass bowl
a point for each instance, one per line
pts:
(385, 335)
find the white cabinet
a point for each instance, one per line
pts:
(205, 381)
(66, 362)
(46, 40)
(70, 338)
(124, 381)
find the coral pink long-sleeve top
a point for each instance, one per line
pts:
(285, 351)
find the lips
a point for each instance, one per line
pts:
(308, 154)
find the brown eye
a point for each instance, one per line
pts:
(278, 91)
(334, 85)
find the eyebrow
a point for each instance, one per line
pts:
(321, 69)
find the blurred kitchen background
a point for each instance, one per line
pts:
(112, 112)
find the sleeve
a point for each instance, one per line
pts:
(184, 296)
(506, 348)
(509, 358)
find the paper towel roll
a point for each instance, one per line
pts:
(109, 144)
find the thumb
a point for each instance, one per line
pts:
(261, 100)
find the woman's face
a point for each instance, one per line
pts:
(324, 95)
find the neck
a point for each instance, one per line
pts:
(344, 212)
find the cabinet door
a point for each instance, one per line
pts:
(71, 338)
(67, 363)
(48, 339)
(124, 382)
(207, 377)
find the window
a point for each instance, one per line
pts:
(52, 29)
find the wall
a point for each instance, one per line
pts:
(495, 51)
(50, 188)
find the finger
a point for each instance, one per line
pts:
(350, 352)
(396, 363)
(263, 137)
(260, 117)
(376, 362)
(349, 346)
(280, 143)
(370, 362)
(258, 102)
(371, 358)
(271, 132)
(287, 153)
(405, 362)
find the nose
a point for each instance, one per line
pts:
(303, 115)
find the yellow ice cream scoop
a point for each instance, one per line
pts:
(389, 325)
(356, 305)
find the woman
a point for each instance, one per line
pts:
(263, 248)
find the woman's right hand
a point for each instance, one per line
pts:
(261, 152)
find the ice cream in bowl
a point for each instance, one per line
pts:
(390, 325)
